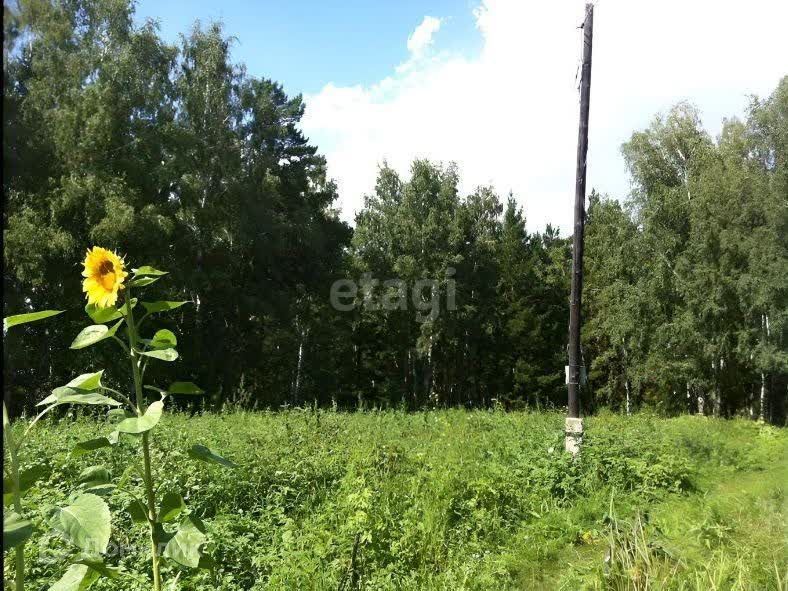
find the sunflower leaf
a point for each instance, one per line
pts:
(172, 505)
(152, 307)
(15, 529)
(18, 319)
(86, 523)
(185, 388)
(84, 447)
(147, 271)
(66, 395)
(186, 545)
(104, 315)
(209, 456)
(137, 511)
(86, 381)
(78, 577)
(96, 563)
(142, 281)
(163, 354)
(90, 335)
(163, 339)
(137, 425)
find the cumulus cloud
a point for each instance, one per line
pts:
(421, 38)
(508, 116)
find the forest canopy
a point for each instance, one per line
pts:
(107, 129)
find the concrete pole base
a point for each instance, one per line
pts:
(574, 435)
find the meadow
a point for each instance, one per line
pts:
(447, 499)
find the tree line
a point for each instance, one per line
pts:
(175, 155)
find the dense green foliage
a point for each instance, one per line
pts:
(173, 156)
(447, 500)
(107, 129)
(687, 291)
(492, 325)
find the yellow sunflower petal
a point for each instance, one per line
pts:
(104, 275)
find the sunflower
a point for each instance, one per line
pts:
(103, 275)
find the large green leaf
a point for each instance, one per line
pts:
(84, 447)
(94, 475)
(96, 480)
(96, 563)
(102, 315)
(66, 395)
(15, 529)
(161, 535)
(85, 522)
(184, 388)
(18, 319)
(172, 505)
(162, 306)
(200, 452)
(162, 354)
(108, 314)
(80, 390)
(137, 511)
(78, 577)
(184, 547)
(90, 335)
(147, 271)
(86, 381)
(143, 281)
(163, 339)
(146, 422)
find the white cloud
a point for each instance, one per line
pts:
(421, 38)
(508, 116)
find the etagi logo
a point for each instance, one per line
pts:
(392, 294)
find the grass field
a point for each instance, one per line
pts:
(447, 500)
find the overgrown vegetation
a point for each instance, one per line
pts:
(175, 155)
(449, 500)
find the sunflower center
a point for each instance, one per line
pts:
(106, 267)
(107, 274)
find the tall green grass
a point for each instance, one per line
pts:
(453, 500)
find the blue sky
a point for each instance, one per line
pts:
(306, 44)
(491, 84)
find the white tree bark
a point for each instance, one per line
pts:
(766, 334)
(761, 413)
(716, 397)
(626, 385)
(299, 366)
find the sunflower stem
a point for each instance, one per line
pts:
(148, 476)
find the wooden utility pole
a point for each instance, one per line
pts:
(574, 424)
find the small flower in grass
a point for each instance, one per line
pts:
(103, 275)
